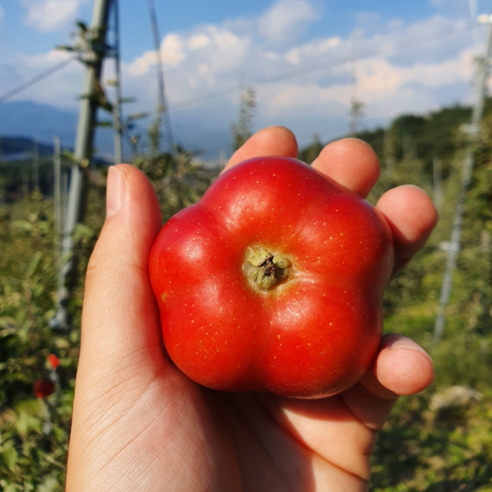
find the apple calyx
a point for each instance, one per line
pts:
(264, 269)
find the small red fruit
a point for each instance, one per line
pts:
(53, 361)
(44, 388)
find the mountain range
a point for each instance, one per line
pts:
(21, 122)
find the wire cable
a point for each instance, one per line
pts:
(34, 80)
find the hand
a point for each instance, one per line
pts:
(140, 424)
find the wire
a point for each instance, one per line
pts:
(34, 80)
(163, 106)
(322, 66)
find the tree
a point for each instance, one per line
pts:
(241, 129)
(356, 112)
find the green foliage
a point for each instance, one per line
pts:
(308, 154)
(31, 457)
(356, 112)
(178, 178)
(88, 44)
(16, 178)
(435, 451)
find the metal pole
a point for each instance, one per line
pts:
(83, 148)
(437, 182)
(163, 109)
(118, 130)
(35, 165)
(57, 197)
(388, 153)
(63, 200)
(454, 245)
(163, 106)
(352, 115)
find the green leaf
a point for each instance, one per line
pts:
(82, 231)
(105, 124)
(11, 487)
(137, 116)
(70, 156)
(33, 264)
(23, 225)
(63, 47)
(82, 26)
(91, 97)
(26, 423)
(50, 484)
(10, 457)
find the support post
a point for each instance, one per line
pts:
(118, 128)
(163, 109)
(83, 149)
(57, 198)
(437, 183)
(454, 244)
(35, 165)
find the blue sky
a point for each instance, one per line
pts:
(335, 17)
(412, 56)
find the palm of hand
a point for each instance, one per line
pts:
(139, 424)
(175, 435)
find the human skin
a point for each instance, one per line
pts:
(140, 424)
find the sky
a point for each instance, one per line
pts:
(305, 59)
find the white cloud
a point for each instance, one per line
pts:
(286, 20)
(377, 77)
(203, 68)
(60, 89)
(50, 15)
(271, 55)
(172, 50)
(328, 43)
(311, 50)
(293, 56)
(206, 53)
(172, 53)
(198, 41)
(141, 64)
(224, 39)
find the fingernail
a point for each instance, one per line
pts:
(115, 191)
(409, 344)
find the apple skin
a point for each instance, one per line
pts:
(316, 331)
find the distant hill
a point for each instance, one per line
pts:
(42, 122)
(39, 121)
(13, 148)
(425, 136)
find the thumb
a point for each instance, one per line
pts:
(120, 318)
